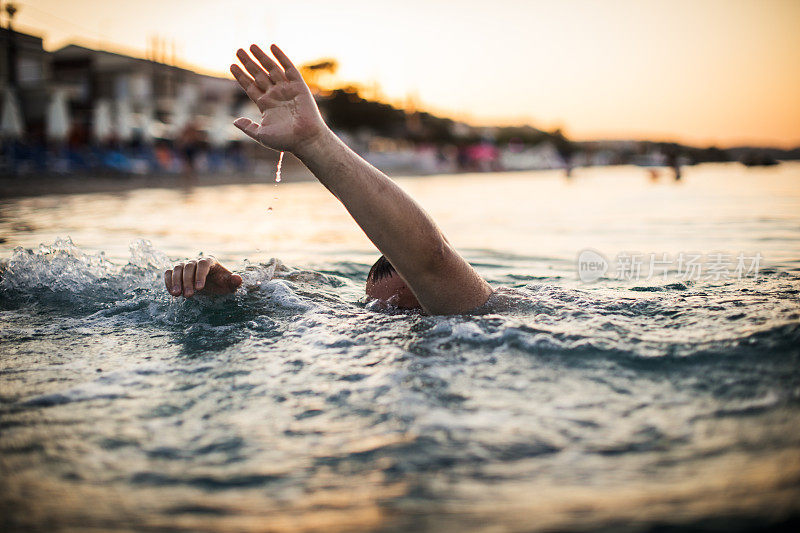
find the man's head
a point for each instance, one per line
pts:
(384, 283)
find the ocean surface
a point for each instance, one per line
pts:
(658, 397)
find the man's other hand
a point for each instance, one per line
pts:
(205, 276)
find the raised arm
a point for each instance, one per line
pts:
(442, 281)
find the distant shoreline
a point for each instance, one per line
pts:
(55, 184)
(61, 184)
(32, 185)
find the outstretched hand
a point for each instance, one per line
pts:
(205, 276)
(290, 118)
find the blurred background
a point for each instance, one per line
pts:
(532, 132)
(142, 90)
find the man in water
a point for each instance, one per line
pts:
(419, 268)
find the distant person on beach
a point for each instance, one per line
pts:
(418, 269)
(188, 147)
(674, 161)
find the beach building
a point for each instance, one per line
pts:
(138, 93)
(160, 97)
(25, 69)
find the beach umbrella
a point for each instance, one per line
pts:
(180, 116)
(183, 108)
(12, 125)
(124, 120)
(150, 127)
(222, 129)
(58, 119)
(145, 123)
(101, 121)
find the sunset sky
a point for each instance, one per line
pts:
(698, 71)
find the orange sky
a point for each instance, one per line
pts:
(702, 71)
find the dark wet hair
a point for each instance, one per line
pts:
(381, 269)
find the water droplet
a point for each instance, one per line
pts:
(278, 170)
(277, 176)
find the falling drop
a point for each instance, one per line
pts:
(278, 170)
(277, 175)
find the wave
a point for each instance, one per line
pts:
(324, 307)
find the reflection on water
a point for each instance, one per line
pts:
(294, 404)
(716, 207)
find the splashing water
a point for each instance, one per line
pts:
(261, 395)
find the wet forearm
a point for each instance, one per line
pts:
(392, 220)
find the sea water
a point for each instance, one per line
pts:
(629, 403)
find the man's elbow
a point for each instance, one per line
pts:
(437, 258)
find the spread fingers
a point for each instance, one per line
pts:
(275, 71)
(259, 76)
(249, 86)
